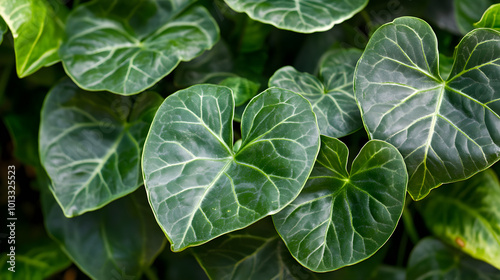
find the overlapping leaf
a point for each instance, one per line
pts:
(118, 241)
(3, 29)
(491, 18)
(304, 16)
(91, 143)
(339, 218)
(38, 31)
(446, 130)
(332, 95)
(467, 215)
(431, 259)
(126, 46)
(243, 89)
(198, 187)
(467, 12)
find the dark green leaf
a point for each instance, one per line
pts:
(339, 218)
(491, 18)
(38, 30)
(332, 98)
(386, 272)
(243, 89)
(118, 241)
(37, 264)
(467, 12)
(126, 46)
(446, 130)
(198, 187)
(433, 260)
(90, 144)
(3, 29)
(304, 16)
(467, 215)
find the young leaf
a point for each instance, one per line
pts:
(491, 18)
(126, 46)
(467, 12)
(116, 242)
(446, 130)
(467, 215)
(304, 16)
(431, 259)
(38, 30)
(90, 144)
(339, 218)
(198, 187)
(332, 98)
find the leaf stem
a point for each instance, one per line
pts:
(150, 274)
(410, 225)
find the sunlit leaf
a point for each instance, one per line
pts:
(341, 217)
(447, 130)
(491, 18)
(91, 143)
(198, 187)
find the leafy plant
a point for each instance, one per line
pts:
(228, 129)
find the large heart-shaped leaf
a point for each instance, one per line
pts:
(431, 259)
(304, 16)
(467, 215)
(446, 130)
(467, 12)
(339, 218)
(491, 18)
(118, 241)
(126, 46)
(91, 143)
(38, 31)
(332, 98)
(198, 187)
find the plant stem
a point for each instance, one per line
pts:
(150, 274)
(410, 226)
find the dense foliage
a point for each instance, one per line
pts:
(307, 139)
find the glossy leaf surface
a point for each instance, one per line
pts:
(304, 16)
(129, 45)
(467, 12)
(446, 130)
(198, 187)
(433, 260)
(91, 143)
(118, 241)
(342, 218)
(331, 95)
(467, 215)
(491, 18)
(38, 31)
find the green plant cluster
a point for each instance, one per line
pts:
(268, 139)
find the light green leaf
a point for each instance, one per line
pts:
(38, 263)
(433, 260)
(491, 18)
(198, 187)
(332, 95)
(126, 46)
(467, 12)
(446, 130)
(90, 144)
(3, 29)
(243, 89)
(38, 31)
(467, 215)
(118, 241)
(305, 16)
(339, 218)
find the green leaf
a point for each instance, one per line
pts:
(332, 95)
(339, 218)
(38, 31)
(3, 29)
(305, 16)
(467, 215)
(90, 144)
(38, 263)
(491, 18)
(198, 187)
(243, 89)
(446, 130)
(386, 272)
(431, 259)
(126, 46)
(467, 12)
(118, 241)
